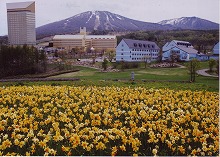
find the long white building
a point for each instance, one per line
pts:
(21, 23)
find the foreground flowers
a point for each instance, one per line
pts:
(46, 120)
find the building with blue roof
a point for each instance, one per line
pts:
(183, 49)
(215, 54)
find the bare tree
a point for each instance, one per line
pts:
(110, 54)
(146, 59)
(193, 66)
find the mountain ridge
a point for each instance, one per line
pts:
(194, 23)
(107, 21)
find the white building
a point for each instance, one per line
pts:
(21, 23)
(183, 49)
(215, 54)
(129, 50)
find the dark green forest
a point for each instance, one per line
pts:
(202, 40)
(21, 60)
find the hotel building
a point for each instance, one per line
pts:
(86, 41)
(130, 50)
(21, 23)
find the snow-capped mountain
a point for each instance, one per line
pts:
(104, 20)
(97, 20)
(190, 23)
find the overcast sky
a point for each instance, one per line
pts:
(48, 11)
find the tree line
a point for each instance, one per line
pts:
(20, 60)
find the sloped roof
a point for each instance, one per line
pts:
(188, 49)
(165, 47)
(216, 49)
(141, 44)
(19, 5)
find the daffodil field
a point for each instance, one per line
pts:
(68, 120)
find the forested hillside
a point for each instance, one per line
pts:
(203, 41)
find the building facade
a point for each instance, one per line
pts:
(68, 42)
(183, 49)
(215, 54)
(21, 23)
(129, 50)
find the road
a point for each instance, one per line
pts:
(203, 73)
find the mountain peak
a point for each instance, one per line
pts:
(190, 23)
(105, 20)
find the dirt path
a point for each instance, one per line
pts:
(203, 73)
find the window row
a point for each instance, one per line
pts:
(148, 54)
(143, 45)
(142, 59)
(145, 50)
(175, 51)
(152, 54)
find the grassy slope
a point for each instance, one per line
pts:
(154, 78)
(162, 76)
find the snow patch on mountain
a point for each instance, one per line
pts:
(118, 17)
(134, 25)
(89, 18)
(172, 21)
(190, 23)
(112, 18)
(97, 21)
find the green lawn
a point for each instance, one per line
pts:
(172, 78)
(169, 74)
(149, 77)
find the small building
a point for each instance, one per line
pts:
(129, 50)
(183, 49)
(85, 41)
(215, 54)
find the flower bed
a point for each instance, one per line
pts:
(64, 120)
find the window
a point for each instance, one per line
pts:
(140, 45)
(135, 45)
(122, 49)
(122, 54)
(144, 45)
(122, 45)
